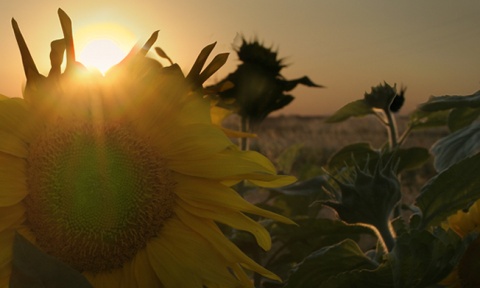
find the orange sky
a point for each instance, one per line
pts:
(430, 46)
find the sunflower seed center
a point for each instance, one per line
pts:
(97, 194)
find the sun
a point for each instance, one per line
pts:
(101, 53)
(102, 45)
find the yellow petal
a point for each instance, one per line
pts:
(16, 119)
(188, 253)
(234, 219)
(237, 134)
(142, 269)
(12, 166)
(230, 163)
(11, 216)
(106, 279)
(193, 141)
(13, 189)
(213, 234)
(12, 145)
(196, 191)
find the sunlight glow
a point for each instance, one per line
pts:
(101, 54)
(102, 45)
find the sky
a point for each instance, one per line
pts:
(431, 46)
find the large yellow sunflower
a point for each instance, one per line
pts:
(123, 177)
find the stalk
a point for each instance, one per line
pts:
(392, 129)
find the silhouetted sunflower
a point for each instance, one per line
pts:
(258, 88)
(123, 177)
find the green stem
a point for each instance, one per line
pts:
(244, 141)
(392, 129)
(405, 135)
(386, 235)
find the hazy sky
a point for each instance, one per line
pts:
(430, 46)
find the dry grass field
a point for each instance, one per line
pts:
(311, 142)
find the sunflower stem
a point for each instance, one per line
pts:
(392, 129)
(245, 141)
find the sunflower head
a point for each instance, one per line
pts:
(257, 86)
(256, 53)
(123, 177)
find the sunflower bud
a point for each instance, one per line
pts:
(381, 96)
(370, 197)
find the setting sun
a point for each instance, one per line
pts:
(101, 54)
(102, 45)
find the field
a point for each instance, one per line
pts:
(309, 142)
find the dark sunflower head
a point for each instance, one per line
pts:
(256, 53)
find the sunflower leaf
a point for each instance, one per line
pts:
(33, 268)
(453, 189)
(356, 108)
(422, 120)
(446, 102)
(456, 146)
(462, 117)
(328, 262)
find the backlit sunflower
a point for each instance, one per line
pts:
(123, 177)
(466, 272)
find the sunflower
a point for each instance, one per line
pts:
(123, 177)
(466, 272)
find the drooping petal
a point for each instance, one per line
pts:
(143, 271)
(197, 191)
(232, 218)
(226, 248)
(178, 251)
(233, 165)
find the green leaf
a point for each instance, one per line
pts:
(317, 231)
(456, 146)
(287, 158)
(437, 103)
(462, 117)
(311, 187)
(328, 262)
(33, 268)
(453, 189)
(422, 120)
(380, 277)
(357, 153)
(422, 258)
(410, 158)
(356, 108)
